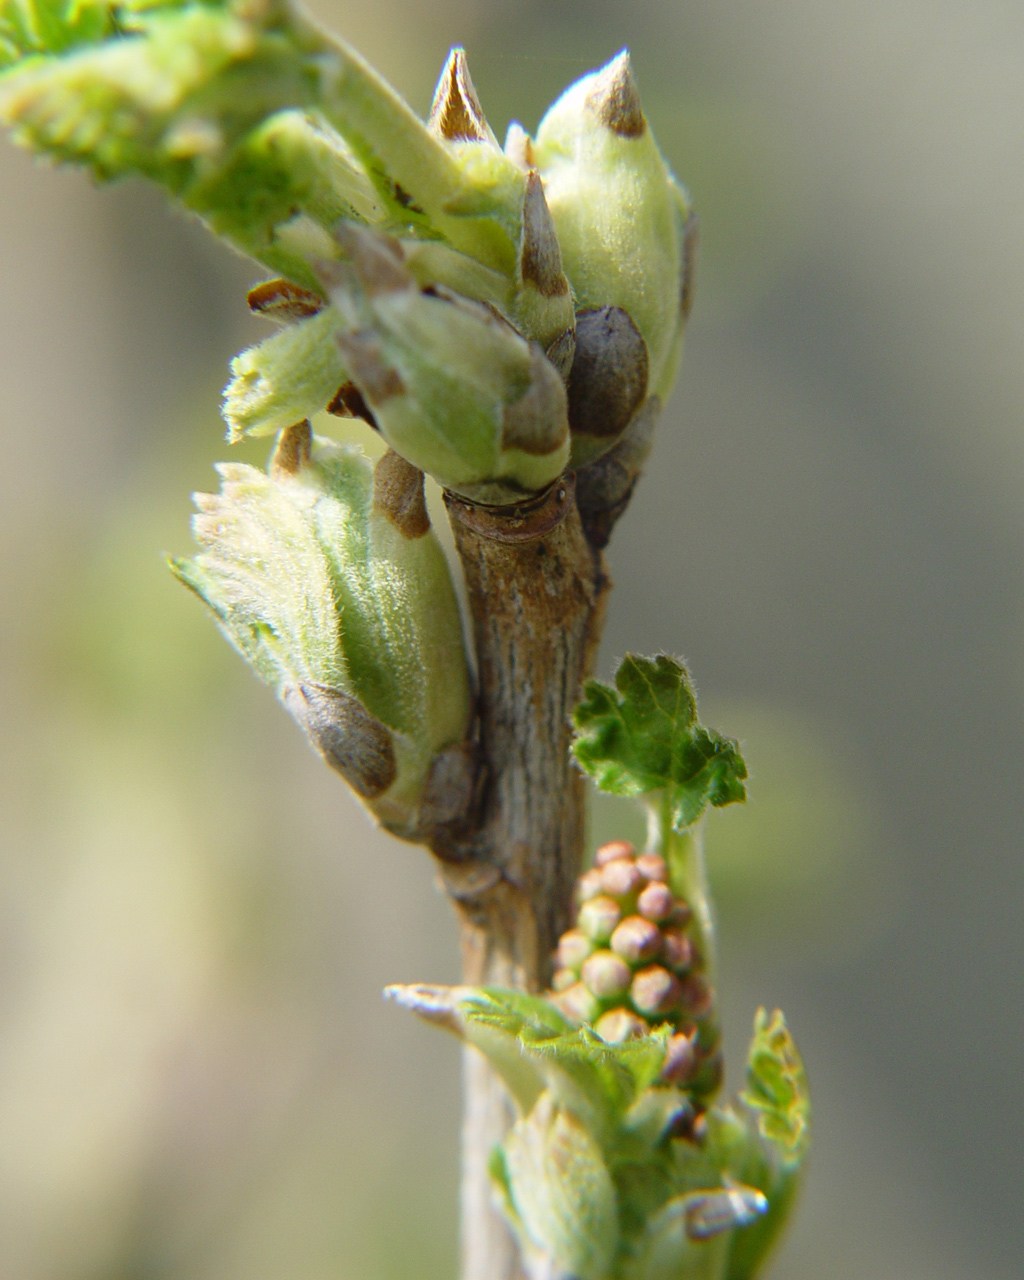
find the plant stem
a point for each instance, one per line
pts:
(684, 853)
(536, 591)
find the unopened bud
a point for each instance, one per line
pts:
(655, 991)
(653, 866)
(606, 974)
(655, 901)
(696, 996)
(578, 1003)
(573, 948)
(616, 208)
(676, 949)
(619, 1025)
(612, 850)
(589, 885)
(636, 939)
(598, 918)
(680, 1059)
(563, 979)
(620, 878)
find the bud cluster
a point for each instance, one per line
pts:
(631, 963)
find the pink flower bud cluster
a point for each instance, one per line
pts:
(630, 964)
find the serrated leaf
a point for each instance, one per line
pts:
(600, 1080)
(767, 1145)
(644, 736)
(777, 1088)
(287, 377)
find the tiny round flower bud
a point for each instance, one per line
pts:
(676, 949)
(636, 940)
(606, 974)
(578, 1003)
(655, 901)
(680, 1058)
(563, 979)
(573, 949)
(696, 997)
(655, 990)
(681, 914)
(589, 885)
(620, 878)
(652, 866)
(598, 918)
(613, 850)
(619, 1025)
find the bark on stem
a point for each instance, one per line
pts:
(536, 591)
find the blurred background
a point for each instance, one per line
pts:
(198, 1077)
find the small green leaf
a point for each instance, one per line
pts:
(768, 1144)
(777, 1088)
(287, 377)
(562, 1192)
(326, 577)
(643, 736)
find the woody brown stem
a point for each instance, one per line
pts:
(536, 591)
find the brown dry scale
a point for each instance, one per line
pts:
(631, 965)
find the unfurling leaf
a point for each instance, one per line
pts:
(618, 211)
(561, 1192)
(644, 736)
(326, 577)
(771, 1140)
(777, 1088)
(453, 387)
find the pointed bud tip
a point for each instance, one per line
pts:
(456, 113)
(435, 1004)
(540, 258)
(293, 450)
(519, 147)
(615, 98)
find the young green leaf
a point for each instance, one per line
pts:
(562, 1193)
(644, 736)
(187, 95)
(776, 1136)
(326, 577)
(776, 1089)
